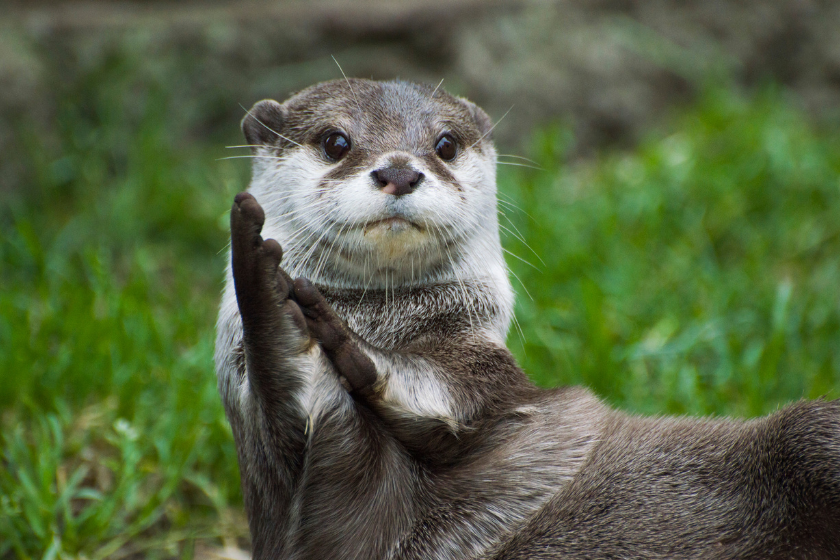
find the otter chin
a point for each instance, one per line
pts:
(395, 236)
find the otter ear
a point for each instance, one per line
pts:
(263, 124)
(482, 120)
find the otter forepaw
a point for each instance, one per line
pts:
(336, 339)
(261, 285)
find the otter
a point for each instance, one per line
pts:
(376, 410)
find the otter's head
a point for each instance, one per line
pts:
(376, 183)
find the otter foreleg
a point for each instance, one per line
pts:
(269, 421)
(338, 342)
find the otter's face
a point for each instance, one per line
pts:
(371, 183)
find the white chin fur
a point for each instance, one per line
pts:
(395, 238)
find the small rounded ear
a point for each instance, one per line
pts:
(263, 124)
(482, 120)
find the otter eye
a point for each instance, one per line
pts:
(446, 148)
(336, 146)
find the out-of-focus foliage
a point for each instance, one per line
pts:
(697, 273)
(113, 438)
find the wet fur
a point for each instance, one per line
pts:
(378, 414)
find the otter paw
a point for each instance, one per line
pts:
(259, 281)
(336, 339)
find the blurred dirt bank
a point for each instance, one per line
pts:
(608, 68)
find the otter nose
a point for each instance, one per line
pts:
(397, 181)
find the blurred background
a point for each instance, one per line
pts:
(673, 235)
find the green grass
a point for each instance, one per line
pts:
(698, 273)
(114, 440)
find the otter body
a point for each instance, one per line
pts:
(376, 410)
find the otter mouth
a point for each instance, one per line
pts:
(391, 225)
